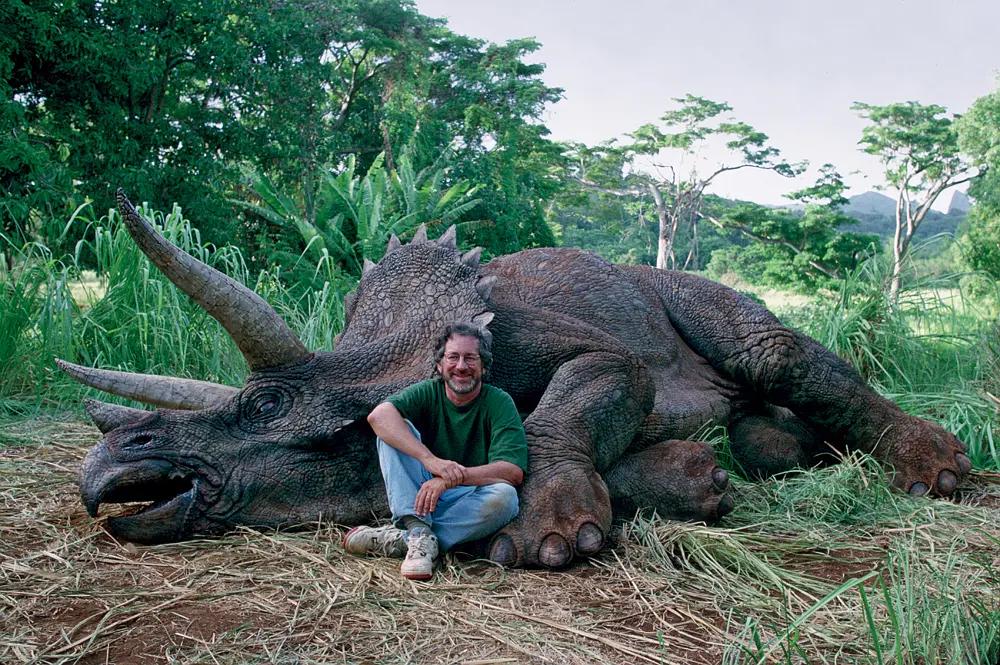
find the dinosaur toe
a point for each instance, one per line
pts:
(554, 551)
(589, 539)
(925, 458)
(503, 550)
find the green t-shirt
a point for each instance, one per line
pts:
(486, 430)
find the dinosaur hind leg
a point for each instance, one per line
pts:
(748, 344)
(679, 479)
(765, 444)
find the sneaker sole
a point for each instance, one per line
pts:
(418, 577)
(343, 541)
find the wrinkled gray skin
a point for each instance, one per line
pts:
(615, 367)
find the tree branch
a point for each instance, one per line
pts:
(590, 184)
(725, 169)
(745, 230)
(354, 87)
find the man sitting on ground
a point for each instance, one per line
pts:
(452, 452)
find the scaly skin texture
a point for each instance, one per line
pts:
(614, 368)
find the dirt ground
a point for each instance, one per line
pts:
(71, 594)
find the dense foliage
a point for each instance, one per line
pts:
(174, 100)
(979, 136)
(807, 248)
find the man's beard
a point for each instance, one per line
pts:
(463, 388)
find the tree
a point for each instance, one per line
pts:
(806, 248)
(176, 100)
(979, 138)
(658, 165)
(918, 147)
(170, 98)
(488, 103)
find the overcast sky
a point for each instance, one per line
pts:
(790, 68)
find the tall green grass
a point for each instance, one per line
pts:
(36, 318)
(143, 323)
(138, 321)
(934, 351)
(831, 566)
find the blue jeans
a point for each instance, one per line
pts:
(463, 513)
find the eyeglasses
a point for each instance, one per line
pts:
(471, 359)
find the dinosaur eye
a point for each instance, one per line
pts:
(265, 405)
(262, 406)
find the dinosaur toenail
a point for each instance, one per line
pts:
(918, 489)
(726, 505)
(720, 478)
(946, 482)
(554, 551)
(502, 550)
(589, 539)
(964, 463)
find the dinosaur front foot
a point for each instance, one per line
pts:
(562, 517)
(925, 458)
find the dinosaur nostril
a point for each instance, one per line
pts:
(138, 440)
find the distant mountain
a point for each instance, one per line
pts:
(871, 203)
(876, 213)
(960, 203)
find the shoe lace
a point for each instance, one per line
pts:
(419, 546)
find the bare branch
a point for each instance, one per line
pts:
(725, 169)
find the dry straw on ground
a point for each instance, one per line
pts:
(781, 581)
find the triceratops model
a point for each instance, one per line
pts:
(614, 367)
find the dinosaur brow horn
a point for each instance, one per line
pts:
(261, 335)
(166, 391)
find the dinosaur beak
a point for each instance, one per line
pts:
(169, 495)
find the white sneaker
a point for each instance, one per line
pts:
(384, 540)
(421, 553)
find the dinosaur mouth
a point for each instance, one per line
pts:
(157, 522)
(157, 496)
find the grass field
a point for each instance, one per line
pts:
(822, 567)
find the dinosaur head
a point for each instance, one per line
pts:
(287, 449)
(292, 446)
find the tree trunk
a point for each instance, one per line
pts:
(665, 240)
(907, 223)
(897, 248)
(692, 258)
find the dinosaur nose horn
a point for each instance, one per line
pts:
(261, 335)
(166, 391)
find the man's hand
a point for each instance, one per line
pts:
(428, 495)
(451, 472)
